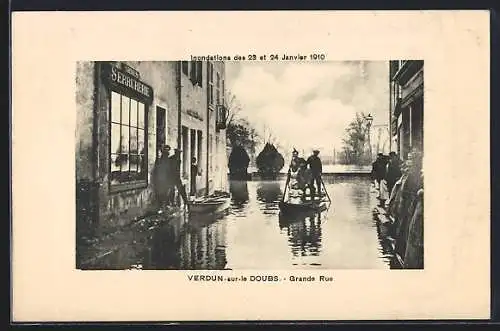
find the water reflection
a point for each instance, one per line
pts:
(239, 193)
(304, 235)
(269, 191)
(253, 235)
(269, 194)
(204, 243)
(164, 251)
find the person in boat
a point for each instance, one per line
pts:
(294, 169)
(296, 161)
(304, 177)
(316, 167)
(294, 183)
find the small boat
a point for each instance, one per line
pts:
(299, 207)
(215, 203)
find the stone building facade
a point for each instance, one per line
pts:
(407, 106)
(126, 111)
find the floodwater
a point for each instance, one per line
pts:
(251, 235)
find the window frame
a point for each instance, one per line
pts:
(195, 70)
(217, 88)
(138, 183)
(185, 67)
(210, 85)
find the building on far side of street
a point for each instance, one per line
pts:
(406, 105)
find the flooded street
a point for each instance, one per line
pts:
(342, 237)
(251, 234)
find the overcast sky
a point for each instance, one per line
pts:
(308, 105)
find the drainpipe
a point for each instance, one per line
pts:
(179, 104)
(207, 182)
(390, 106)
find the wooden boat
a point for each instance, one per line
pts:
(294, 208)
(292, 203)
(215, 203)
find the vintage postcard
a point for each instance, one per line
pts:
(255, 161)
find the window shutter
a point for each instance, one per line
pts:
(200, 73)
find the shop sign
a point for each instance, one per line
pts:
(127, 83)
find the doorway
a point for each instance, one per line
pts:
(185, 150)
(160, 129)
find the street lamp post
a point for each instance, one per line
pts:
(369, 121)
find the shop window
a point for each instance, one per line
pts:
(128, 140)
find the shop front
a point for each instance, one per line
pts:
(407, 117)
(129, 124)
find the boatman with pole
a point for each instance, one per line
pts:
(316, 167)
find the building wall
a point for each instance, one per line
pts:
(118, 207)
(407, 81)
(85, 155)
(84, 120)
(219, 151)
(193, 116)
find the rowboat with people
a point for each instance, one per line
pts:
(300, 195)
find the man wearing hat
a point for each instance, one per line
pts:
(316, 167)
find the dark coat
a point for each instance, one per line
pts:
(393, 171)
(379, 168)
(162, 177)
(315, 165)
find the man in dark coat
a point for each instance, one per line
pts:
(393, 171)
(316, 167)
(379, 168)
(162, 178)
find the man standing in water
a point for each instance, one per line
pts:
(162, 178)
(175, 164)
(316, 167)
(393, 172)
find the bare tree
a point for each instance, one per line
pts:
(355, 140)
(233, 107)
